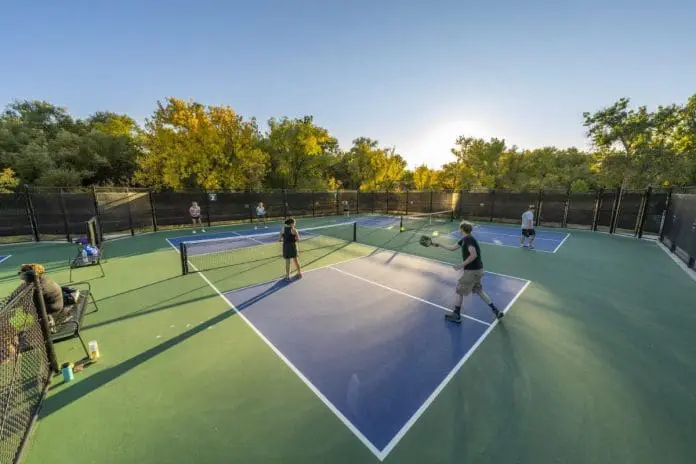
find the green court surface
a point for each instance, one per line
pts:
(595, 363)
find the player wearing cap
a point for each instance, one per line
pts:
(472, 272)
(528, 227)
(260, 215)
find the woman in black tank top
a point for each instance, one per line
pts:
(289, 236)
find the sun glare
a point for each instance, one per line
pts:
(434, 147)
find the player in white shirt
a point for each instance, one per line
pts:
(528, 227)
(195, 212)
(261, 214)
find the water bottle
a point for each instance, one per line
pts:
(67, 369)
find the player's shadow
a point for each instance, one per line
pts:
(279, 285)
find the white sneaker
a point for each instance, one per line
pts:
(194, 231)
(202, 230)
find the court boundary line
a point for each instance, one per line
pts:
(517, 236)
(386, 287)
(562, 242)
(380, 455)
(363, 439)
(455, 370)
(440, 261)
(689, 272)
(5, 258)
(502, 244)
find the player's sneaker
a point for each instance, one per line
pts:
(456, 318)
(498, 313)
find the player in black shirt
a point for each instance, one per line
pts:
(290, 236)
(472, 274)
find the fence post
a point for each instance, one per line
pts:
(540, 204)
(338, 201)
(460, 206)
(285, 204)
(491, 193)
(406, 201)
(357, 202)
(595, 214)
(668, 203)
(63, 210)
(387, 195)
(643, 213)
(96, 213)
(43, 316)
(431, 200)
(31, 212)
(130, 214)
(314, 202)
(615, 209)
(152, 210)
(566, 207)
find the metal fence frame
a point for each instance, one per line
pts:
(41, 214)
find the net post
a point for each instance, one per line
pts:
(184, 258)
(595, 214)
(355, 231)
(401, 223)
(152, 210)
(43, 322)
(64, 212)
(643, 213)
(31, 212)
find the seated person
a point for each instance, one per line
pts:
(52, 292)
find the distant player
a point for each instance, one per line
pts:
(290, 236)
(346, 208)
(528, 227)
(195, 212)
(472, 272)
(261, 215)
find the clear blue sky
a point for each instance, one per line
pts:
(410, 74)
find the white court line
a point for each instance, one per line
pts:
(562, 242)
(5, 258)
(503, 244)
(406, 294)
(482, 229)
(414, 418)
(380, 455)
(690, 272)
(247, 236)
(303, 272)
(439, 261)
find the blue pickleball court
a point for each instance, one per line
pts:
(369, 337)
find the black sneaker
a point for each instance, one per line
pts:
(456, 318)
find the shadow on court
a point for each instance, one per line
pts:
(65, 397)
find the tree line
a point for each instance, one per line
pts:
(187, 145)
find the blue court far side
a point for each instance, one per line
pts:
(546, 240)
(4, 257)
(369, 336)
(381, 222)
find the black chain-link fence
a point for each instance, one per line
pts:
(60, 214)
(24, 370)
(679, 232)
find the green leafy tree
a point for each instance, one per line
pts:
(301, 153)
(188, 145)
(8, 180)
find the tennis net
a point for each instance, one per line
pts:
(241, 248)
(418, 221)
